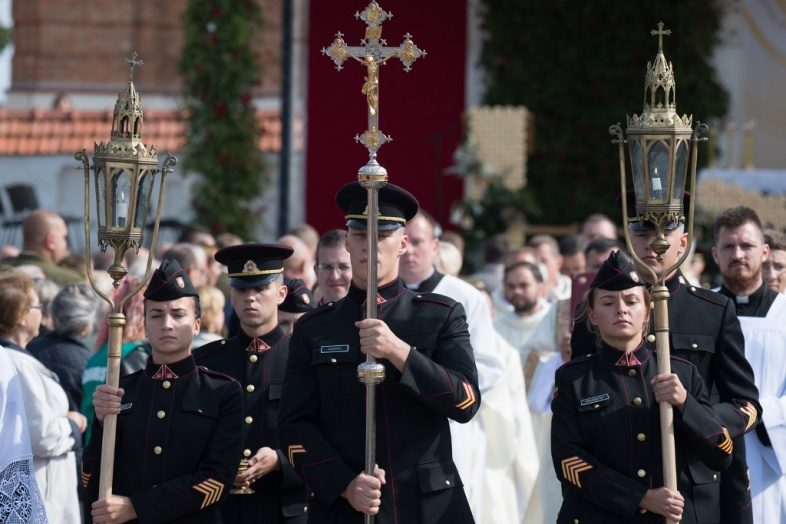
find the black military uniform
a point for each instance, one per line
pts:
(178, 432)
(704, 329)
(258, 363)
(605, 436)
(322, 410)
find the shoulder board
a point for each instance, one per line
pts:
(709, 296)
(214, 373)
(328, 306)
(579, 360)
(434, 298)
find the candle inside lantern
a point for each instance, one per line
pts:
(122, 209)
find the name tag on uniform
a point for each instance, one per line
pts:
(593, 400)
(125, 407)
(341, 348)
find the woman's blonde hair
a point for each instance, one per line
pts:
(212, 301)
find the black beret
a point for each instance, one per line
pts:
(169, 282)
(253, 265)
(299, 298)
(616, 273)
(396, 206)
(635, 225)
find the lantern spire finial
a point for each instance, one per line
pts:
(133, 62)
(660, 32)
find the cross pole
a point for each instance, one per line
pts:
(660, 32)
(372, 52)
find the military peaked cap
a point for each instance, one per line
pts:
(617, 273)
(396, 206)
(253, 265)
(299, 298)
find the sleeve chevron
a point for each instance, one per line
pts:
(294, 450)
(571, 467)
(749, 410)
(467, 402)
(727, 445)
(211, 489)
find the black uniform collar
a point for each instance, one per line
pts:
(757, 304)
(428, 285)
(384, 293)
(676, 281)
(269, 339)
(614, 356)
(178, 369)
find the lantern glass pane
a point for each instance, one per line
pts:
(680, 171)
(637, 166)
(121, 196)
(143, 199)
(100, 182)
(658, 172)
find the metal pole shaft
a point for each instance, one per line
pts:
(660, 295)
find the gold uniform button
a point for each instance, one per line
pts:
(166, 384)
(250, 388)
(694, 345)
(693, 288)
(157, 450)
(714, 476)
(631, 372)
(576, 521)
(253, 358)
(249, 420)
(596, 406)
(246, 452)
(637, 401)
(641, 473)
(333, 360)
(641, 437)
(161, 414)
(650, 338)
(305, 509)
(642, 511)
(447, 483)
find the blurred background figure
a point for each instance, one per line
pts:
(598, 250)
(134, 348)
(193, 260)
(211, 303)
(46, 291)
(493, 263)
(451, 237)
(54, 430)
(301, 263)
(308, 234)
(598, 225)
(297, 303)
(775, 266)
(334, 272)
(571, 248)
(448, 259)
(547, 251)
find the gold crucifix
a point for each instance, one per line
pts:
(133, 62)
(372, 53)
(660, 32)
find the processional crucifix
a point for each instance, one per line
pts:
(372, 53)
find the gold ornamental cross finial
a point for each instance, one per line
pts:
(372, 53)
(660, 32)
(133, 62)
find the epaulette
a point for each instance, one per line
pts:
(434, 298)
(327, 306)
(215, 373)
(709, 296)
(578, 360)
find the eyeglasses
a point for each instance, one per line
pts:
(37, 306)
(329, 268)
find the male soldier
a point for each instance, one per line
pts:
(179, 427)
(430, 376)
(704, 329)
(256, 357)
(298, 302)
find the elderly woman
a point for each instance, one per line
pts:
(63, 350)
(53, 428)
(605, 438)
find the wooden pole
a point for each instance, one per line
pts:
(116, 322)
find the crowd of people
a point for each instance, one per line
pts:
(524, 392)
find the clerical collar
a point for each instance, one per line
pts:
(384, 293)
(170, 371)
(757, 304)
(428, 285)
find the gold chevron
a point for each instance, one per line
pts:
(211, 489)
(86, 479)
(750, 410)
(294, 450)
(571, 467)
(464, 404)
(727, 445)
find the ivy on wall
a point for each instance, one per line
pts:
(219, 71)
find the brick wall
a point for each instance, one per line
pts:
(78, 46)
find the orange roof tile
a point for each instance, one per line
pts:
(56, 132)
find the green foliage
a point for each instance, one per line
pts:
(219, 71)
(6, 35)
(579, 67)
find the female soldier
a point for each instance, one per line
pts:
(605, 436)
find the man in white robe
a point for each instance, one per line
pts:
(493, 452)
